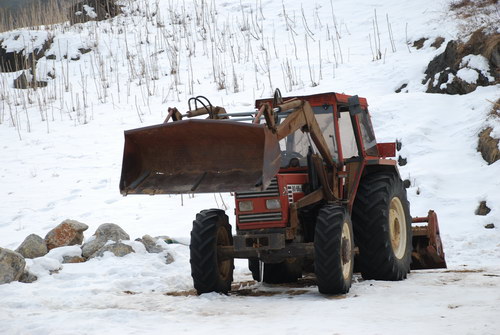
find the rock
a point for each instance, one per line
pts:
(104, 233)
(93, 10)
(119, 249)
(14, 61)
(11, 266)
(91, 247)
(73, 259)
(83, 51)
(22, 82)
(402, 161)
(111, 231)
(150, 244)
(33, 246)
(169, 258)
(27, 277)
(490, 226)
(441, 73)
(440, 63)
(402, 88)
(68, 232)
(488, 146)
(483, 209)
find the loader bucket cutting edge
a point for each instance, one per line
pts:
(198, 156)
(428, 250)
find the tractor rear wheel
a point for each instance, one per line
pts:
(210, 230)
(287, 271)
(382, 227)
(333, 250)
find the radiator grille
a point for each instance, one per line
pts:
(271, 191)
(260, 217)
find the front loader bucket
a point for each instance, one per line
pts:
(428, 250)
(199, 156)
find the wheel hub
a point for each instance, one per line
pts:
(346, 250)
(225, 265)
(397, 228)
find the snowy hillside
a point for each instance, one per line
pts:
(61, 149)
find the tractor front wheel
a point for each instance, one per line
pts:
(382, 227)
(333, 250)
(210, 230)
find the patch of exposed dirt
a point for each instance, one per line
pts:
(419, 44)
(438, 42)
(252, 289)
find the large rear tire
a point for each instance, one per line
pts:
(333, 250)
(382, 227)
(210, 230)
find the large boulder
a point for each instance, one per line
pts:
(33, 246)
(68, 232)
(119, 249)
(104, 233)
(11, 266)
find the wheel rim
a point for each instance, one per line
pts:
(397, 227)
(346, 251)
(225, 265)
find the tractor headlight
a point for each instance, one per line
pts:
(273, 204)
(245, 206)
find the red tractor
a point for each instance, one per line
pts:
(314, 191)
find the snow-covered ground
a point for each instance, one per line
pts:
(61, 150)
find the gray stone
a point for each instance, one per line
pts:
(104, 233)
(150, 244)
(33, 246)
(27, 277)
(68, 232)
(169, 258)
(489, 226)
(118, 249)
(91, 247)
(11, 265)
